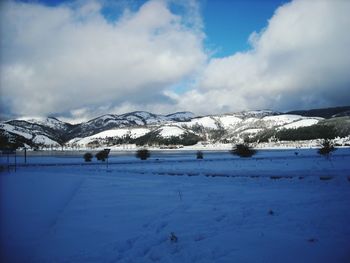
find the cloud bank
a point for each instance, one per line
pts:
(71, 60)
(300, 60)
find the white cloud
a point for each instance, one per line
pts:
(301, 59)
(70, 59)
(59, 59)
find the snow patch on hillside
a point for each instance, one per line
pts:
(115, 133)
(42, 139)
(281, 119)
(251, 131)
(300, 123)
(169, 131)
(15, 130)
(228, 121)
(52, 123)
(206, 122)
(138, 132)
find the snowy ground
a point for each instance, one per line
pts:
(275, 207)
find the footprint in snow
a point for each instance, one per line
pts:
(161, 227)
(199, 237)
(146, 251)
(154, 257)
(123, 248)
(220, 218)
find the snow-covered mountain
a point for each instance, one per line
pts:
(148, 128)
(33, 132)
(127, 120)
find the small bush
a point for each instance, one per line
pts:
(102, 155)
(199, 155)
(312, 240)
(173, 238)
(87, 157)
(243, 150)
(275, 177)
(325, 178)
(327, 148)
(143, 154)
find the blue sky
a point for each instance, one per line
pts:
(228, 24)
(165, 56)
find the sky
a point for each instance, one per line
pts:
(80, 59)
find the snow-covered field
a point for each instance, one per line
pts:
(278, 206)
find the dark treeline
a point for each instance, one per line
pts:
(317, 131)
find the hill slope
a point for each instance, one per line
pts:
(178, 128)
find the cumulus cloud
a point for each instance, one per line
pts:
(300, 60)
(69, 58)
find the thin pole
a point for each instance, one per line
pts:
(8, 161)
(15, 160)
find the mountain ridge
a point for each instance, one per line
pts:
(324, 112)
(144, 127)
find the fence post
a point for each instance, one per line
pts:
(25, 155)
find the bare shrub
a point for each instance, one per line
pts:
(199, 155)
(87, 157)
(327, 147)
(143, 154)
(243, 150)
